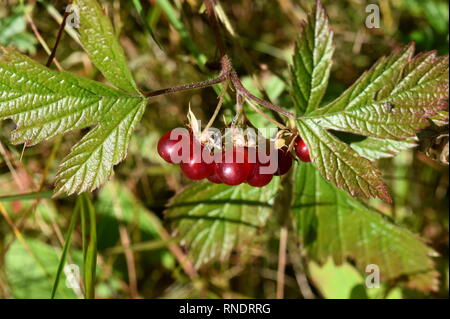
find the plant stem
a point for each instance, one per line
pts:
(279, 125)
(218, 107)
(187, 87)
(209, 4)
(58, 37)
(238, 85)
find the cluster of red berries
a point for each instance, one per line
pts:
(231, 166)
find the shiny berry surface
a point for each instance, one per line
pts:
(214, 178)
(257, 178)
(234, 168)
(302, 150)
(284, 162)
(168, 148)
(196, 169)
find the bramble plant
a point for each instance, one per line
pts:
(319, 185)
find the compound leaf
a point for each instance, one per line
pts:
(392, 101)
(44, 103)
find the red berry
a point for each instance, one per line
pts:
(284, 162)
(258, 178)
(169, 149)
(302, 150)
(234, 167)
(196, 169)
(214, 178)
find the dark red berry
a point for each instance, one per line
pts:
(284, 162)
(257, 178)
(214, 178)
(170, 150)
(302, 150)
(196, 169)
(234, 167)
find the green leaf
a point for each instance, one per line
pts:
(391, 101)
(337, 282)
(212, 220)
(90, 162)
(374, 148)
(30, 270)
(99, 40)
(67, 243)
(312, 61)
(340, 164)
(88, 220)
(13, 31)
(44, 103)
(330, 223)
(441, 118)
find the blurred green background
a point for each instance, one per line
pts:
(167, 43)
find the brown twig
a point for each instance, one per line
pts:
(227, 74)
(234, 78)
(198, 85)
(296, 259)
(41, 39)
(209, 4)
(58, 37)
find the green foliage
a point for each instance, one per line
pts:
(375, 118)
(213, 219)
(44, 103)
(331, 223)
(391, 101)
(374, 148)
(99, 40)
(312, 62)
(30, 270)
(89, 233)
(67, 243)
(13, 31)
(382, 111)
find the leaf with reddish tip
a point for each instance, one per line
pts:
(391, 101)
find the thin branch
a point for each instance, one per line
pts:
(209, 4)
(238, 85)
(218, 107)
(58, 37)
(41, 39)
(187, 87)
(296, 258)
(256, 108)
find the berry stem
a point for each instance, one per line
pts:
(218, 107)
(256, 108)
(242, 90)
